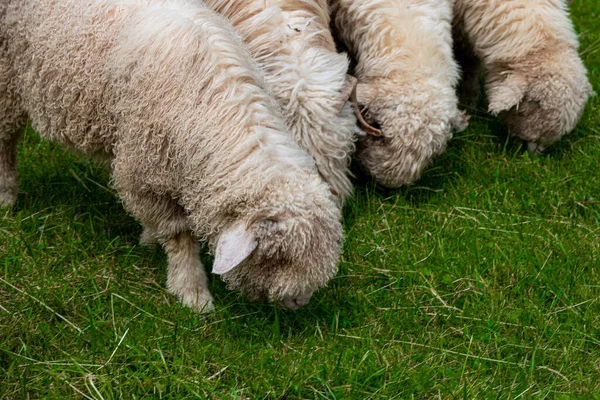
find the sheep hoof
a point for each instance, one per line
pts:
(7, 199)
(199, 302)
(148, 238)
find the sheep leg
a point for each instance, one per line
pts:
(9, 185)
(12, 122)
(149, 237)
(469, 90)
(164, 220)
(186, 277)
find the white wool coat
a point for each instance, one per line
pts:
(293, 45)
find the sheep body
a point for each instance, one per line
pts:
(293, 45)
(165, 92)
(407, 79)
(535, 79)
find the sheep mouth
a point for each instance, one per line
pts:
(535, 148)
(296, 302)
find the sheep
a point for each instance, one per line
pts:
(293, 45)
(165, 92)
(535, 80)
(407, 82)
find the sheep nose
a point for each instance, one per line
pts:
(301, 301)
(296, 302)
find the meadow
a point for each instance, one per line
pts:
(482, 280)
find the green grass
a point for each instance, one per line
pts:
(482, 280)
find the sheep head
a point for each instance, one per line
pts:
(541, 98)
(285, 246)
(411, 124)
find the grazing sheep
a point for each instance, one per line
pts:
(535, 79)
(166, 92)
(292, 43)
(407, 81)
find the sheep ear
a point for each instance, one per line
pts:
(506, 94)
(233, 247)
(365, 93)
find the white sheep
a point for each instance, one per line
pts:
(407, 81)
(166, 93)
(293, 45)
(535, 79)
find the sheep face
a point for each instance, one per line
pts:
(286, 248)
(542, 99)
(415, 124)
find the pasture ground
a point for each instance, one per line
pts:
(481, 280)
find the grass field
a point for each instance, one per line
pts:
(481, 280)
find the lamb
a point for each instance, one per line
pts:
(293, 45)
(407, 82)
(535, 79)
(166, 93)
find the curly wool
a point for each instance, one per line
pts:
(292, 44)
(535, 79)
(166, 93)
(408, 76)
